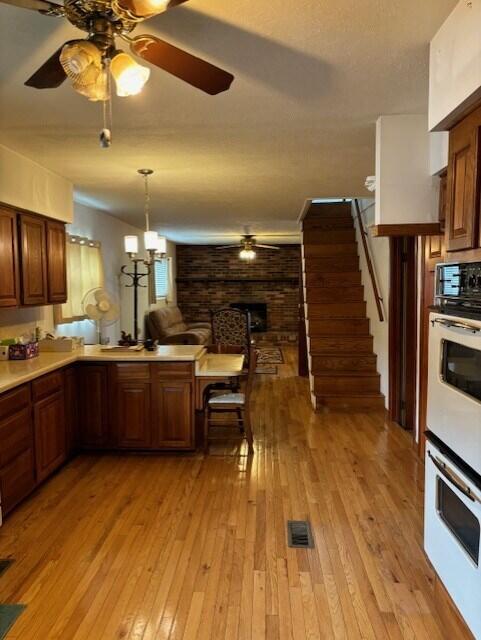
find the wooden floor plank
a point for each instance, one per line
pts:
(193, 548)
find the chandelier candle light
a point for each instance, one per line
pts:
(155, 245)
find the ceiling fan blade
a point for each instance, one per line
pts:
(183, 65)
(44, 6)
(267, 246)
(231, 246)
(174, 3)
(50, 75)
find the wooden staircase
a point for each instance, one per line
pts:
(342, 364)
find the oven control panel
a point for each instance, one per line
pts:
(459, 286)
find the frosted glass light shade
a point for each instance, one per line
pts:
(131, 244)
(129, 76)
(151, 240)
(247, 254)
(161, 244)
(144, 8)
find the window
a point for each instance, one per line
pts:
(84, 272)
(161, 278)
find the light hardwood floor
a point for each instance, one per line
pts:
(187, 547)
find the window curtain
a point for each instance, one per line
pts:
(84, 272)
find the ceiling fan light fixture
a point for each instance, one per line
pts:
(144, 8)
(130, 77)
(247, 254)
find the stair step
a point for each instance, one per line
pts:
(329, 209)
(326, 236)
(338, 264)
(344, 222)
(329, 364)
(318, 311)
(349, 327)
(333, 294)
(360, 402)
(341, 344)
(345, 279)
(345, 383)
(329, 250)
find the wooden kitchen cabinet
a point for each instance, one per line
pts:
(463, 184)
(71, 411)
(33, 258)
(133, 415)
(50, 431)
(173, 417)
(17, 472)
(56, 262)
(9, 267)
(93, 406)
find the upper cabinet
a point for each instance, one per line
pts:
(33, 269)
(56, 262)
(33, 254)
(9, 281)
(462, 196)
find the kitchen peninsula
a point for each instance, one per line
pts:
(91, 399)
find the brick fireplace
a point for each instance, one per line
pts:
(209, 279)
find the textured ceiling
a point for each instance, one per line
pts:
(298, 122)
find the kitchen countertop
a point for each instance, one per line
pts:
(14, 373)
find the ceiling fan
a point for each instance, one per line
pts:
(247, 247)
(87, 62)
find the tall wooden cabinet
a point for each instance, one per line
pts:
(56, 262)
(9, 270)
(33, 260)
(463, 230)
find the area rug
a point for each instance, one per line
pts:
(266, 369)
(8, 615)
(269, 355)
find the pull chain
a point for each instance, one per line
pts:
(106, 133)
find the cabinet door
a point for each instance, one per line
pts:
(33, 260)
(56, 262)
(463, 187)
(443, 194)
(93, 428)
(17, 480)
(49, 428)
(173, 415)
(9, 274)
(71, 411)
(133, 415)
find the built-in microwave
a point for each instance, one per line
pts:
(458, 289)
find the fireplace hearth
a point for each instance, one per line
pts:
(258, 314)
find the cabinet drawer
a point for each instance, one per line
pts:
(47, 385)
(17, 480)
(15, 435)
(132, 371)
(173, 370)
(14, 401)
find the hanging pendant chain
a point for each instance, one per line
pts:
(147, 203)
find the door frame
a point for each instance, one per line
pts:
(403, 266)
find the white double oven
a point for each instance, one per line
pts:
(452, 526)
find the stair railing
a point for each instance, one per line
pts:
(370, 266)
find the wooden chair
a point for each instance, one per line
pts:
(220, 402)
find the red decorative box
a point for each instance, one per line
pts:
(23, 351)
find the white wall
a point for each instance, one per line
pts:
(455, 66)
(438, 152)
(379, 248)
(406, 193)
(27, 185)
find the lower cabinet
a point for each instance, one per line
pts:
(71, 411)
(50, 434)
(173, 419)
(93, 406)
(133, 415)
(17, 480)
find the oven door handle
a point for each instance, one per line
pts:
(456, 325)
(453, 478)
